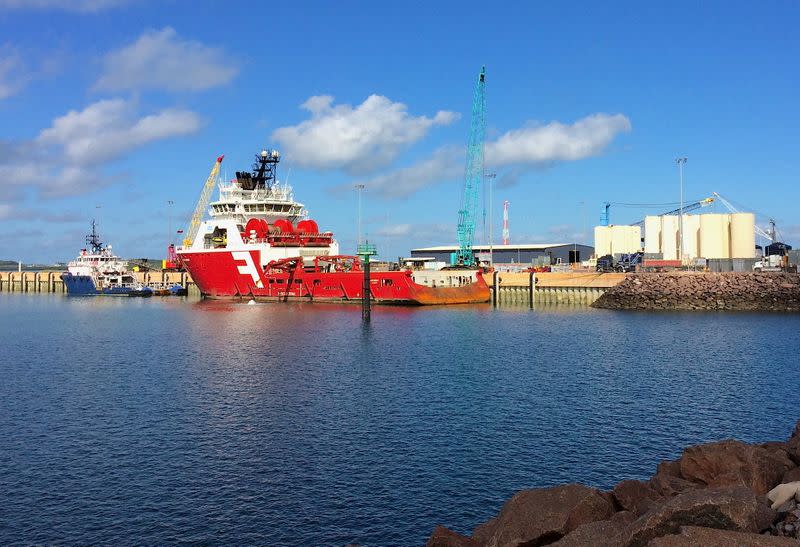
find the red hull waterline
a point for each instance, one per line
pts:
(239, 274)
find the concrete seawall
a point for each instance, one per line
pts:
(705, 291)
(50, 281)
(527, 289)
(578, 288)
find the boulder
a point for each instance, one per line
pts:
(783, 493)
(729, 508)
(542, 516)
(597, 534)
(635, 496)
(694, 536)
(792, 475)
(728, 463)
(444, 537)
(793, 444)
(668, 482)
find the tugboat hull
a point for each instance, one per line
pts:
(225, 274)
(83, 285)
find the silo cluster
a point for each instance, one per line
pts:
(611, 240)
(706, 236)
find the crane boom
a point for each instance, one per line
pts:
(472, 177)
(733, 209)
(202, 204)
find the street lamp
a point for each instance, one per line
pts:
(359, 188)
(681, 162)
(169, 222)
(489, 177)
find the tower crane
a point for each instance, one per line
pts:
(202, 203)
(473, 176)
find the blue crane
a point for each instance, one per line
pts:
(473, 176)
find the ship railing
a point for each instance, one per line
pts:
(322, 237)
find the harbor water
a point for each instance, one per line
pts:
(158, 421)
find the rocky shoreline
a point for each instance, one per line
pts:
(767, 291)
(716, 494)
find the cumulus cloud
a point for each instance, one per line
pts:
(159, 59)
(516, 152)
(106, 129)
(68, 158)
(416, 231)
(444, 164)
(81, 6)
(357, 139)
(556, 141)
(13, 76)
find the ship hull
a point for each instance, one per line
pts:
(83, 285)
(239, 274)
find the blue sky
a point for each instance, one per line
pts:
(111, 108)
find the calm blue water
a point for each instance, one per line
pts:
(154, 421)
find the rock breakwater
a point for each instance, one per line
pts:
(766, 291)
(720, 493)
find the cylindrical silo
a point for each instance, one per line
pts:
(691, 236)
(602, 241)
(715, 236)
(669, 237)
(652, 234)
(626, 239)
(743, 235)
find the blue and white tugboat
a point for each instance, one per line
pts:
(98, 271)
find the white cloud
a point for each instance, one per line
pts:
(159, 59)
(357, 139)
(84, 6)
(107, 129)
(70, 156)
(556, 141)
(517, 151)
(444, 164)
(13, 76)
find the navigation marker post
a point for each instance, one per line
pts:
(365, 251)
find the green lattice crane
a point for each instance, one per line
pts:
(473, 177)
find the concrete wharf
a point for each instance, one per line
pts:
(49, 281)
(508, 288)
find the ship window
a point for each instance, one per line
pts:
(387, 282)
(316, 282)
(297, 281)
(261, 207)
(271, 281)
(279, 281)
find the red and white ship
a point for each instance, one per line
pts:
(260, 244)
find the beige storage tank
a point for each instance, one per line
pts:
(609, 240)
(602, 240)
(743, 235)
(669, 237)
(715, 236)
(691, 236)
(652, 234)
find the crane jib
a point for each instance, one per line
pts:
(473, 176)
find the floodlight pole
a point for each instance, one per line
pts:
(681, 162)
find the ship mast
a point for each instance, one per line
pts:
(93, 240)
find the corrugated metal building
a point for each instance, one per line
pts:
(567, 253)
